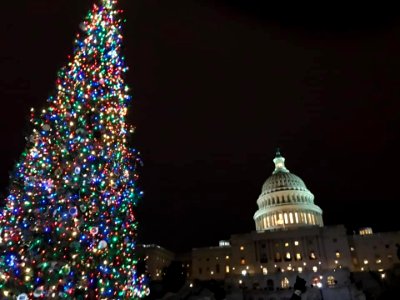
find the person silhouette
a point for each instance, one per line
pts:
(299, 288)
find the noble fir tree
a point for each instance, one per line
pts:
(68, 228)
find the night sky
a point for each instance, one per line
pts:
(217, 87)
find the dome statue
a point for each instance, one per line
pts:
(285, 202)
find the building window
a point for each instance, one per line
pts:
(265, 271)
(296, 243)
(298, 256)
(278, 257)
(270, 284)
(241, 248)
(291, 218)
(313, 219)
(286, 244)
(337, 254)
(264, 259)
(312, 255)
(331, 281)
(217, 268)
(285, 283)
(296, 217)
(286, 218)
(242, 261)
(227, 269)
(288, 256)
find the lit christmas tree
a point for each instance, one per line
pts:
(68, 227)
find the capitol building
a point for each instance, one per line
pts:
(289, 240)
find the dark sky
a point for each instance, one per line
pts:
(217, 86)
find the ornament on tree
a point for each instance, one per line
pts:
(94, 230)
(103, 245)
(58, 172)
(81, 132)
(46, 127)
(82, 208)
(77, 170)
(82, 26)
(73, 211)
(22, 297)
(39, 292)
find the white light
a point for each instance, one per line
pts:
(319, 285)
(244, 272)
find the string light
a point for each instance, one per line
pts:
(68, 226)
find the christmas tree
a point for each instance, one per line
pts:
(68, 228)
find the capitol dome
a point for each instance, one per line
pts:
(285, 202)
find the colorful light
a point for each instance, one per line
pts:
(68, 227)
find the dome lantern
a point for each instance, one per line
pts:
(279, 162)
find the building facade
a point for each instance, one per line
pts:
(290, 239)
(156, 259)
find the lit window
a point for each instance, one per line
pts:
(312, 255)
(365, 261)
(288, 256)
(296, 217)
(227, 257)
(286, 244)
(296, 243)
(312, 219)
(227, 269)
(285, 283)
(298, 256)
(286, 218)
(378, 261)
(331, 281)
(241, 248)
(315, 269)
(337, 254)
(352, 249)
(291, 218)
(242, 261)
(265, 271)
(299, 269)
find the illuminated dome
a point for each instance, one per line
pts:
(285, 202)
